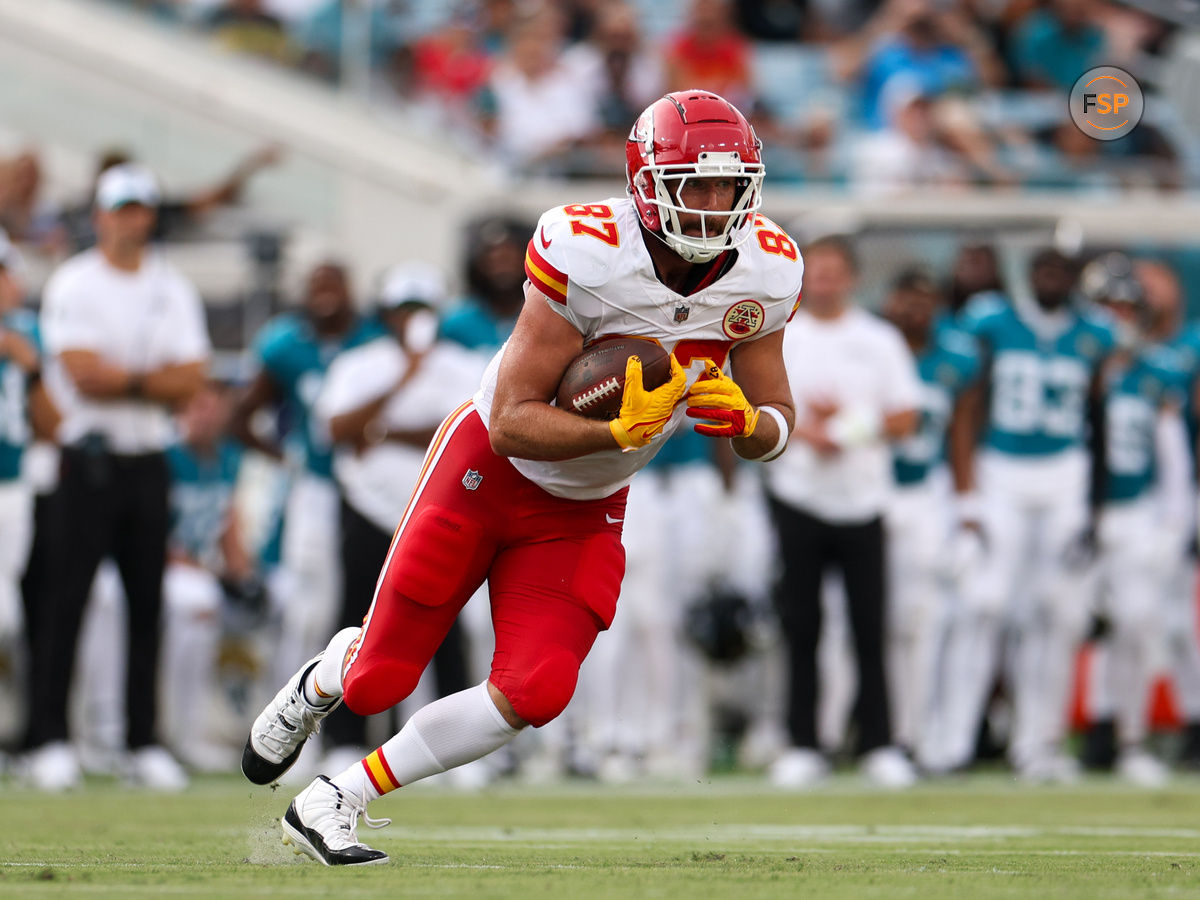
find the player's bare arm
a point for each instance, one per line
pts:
(262, 392)
(963, 436)
(523, 423)
(758, 368)
(900, 424)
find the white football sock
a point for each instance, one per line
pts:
(324, 683)
(441, 735)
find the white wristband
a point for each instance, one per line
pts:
(969, 506)
(783, 434)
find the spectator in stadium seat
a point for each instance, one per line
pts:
(495, 276)
(245, 26)
(910, 152)
(1145, 158)
(451, 66)
(535, 111)
(942, 48)
(1054, 45)
(710, 52)
(621, 79)
(320, 39)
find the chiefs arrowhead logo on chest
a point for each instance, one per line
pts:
(743, 319)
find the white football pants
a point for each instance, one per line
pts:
(311, 567)
(918, 526)
(1034, 512)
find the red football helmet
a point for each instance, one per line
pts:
(690, 134)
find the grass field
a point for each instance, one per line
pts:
(731, 837)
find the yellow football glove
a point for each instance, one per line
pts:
(717, 399)
(645, 413)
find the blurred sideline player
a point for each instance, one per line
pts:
(651, 691)
(205, 552)
(920, 529)
(20, 369)
(1041, 359)
(1145, 522)
(532, 497)
(382, 403)
(293, 352)
(1164, 297)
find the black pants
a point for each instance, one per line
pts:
(364, 551)
(106, 506)
(809, 546)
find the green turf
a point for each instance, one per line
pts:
(728, 838)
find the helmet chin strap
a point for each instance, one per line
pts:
(691, 253)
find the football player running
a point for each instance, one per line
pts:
(531, 497)
(1041, 357)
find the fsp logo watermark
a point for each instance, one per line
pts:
(1106, 103)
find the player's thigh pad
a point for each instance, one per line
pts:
(549, 601)
(435, 566)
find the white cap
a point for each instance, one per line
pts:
(412, 282)
(126, 183)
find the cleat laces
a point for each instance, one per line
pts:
(296, 717)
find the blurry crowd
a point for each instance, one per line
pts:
(873, 96)
(965, 597)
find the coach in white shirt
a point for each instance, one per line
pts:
(382, 402)
(126, 345)
(856, 388)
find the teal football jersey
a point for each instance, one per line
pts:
(1039, 383)
(1133, 399)
(201, 495)
(14, 391)
(1186, 346)
(296, 359)
(947, 365)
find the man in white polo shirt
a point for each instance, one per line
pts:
(856, 388)
(126, 345)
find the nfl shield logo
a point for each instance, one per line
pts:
(472, 480)
(681, 313)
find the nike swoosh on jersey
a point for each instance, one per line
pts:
(542, 237)
(610, 520)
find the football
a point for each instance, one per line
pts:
(594, 382)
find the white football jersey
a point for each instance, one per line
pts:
(590, 261)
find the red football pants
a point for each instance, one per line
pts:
(553, 568)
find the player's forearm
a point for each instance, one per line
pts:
(350, 427)
(536, 430)
(172, 385)
(769, 438)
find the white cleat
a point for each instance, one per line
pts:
(322, 823)
(154, 768)
(889, 768)
(53, 767)
(798, 768)
(278, 734)
(1142, 769)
